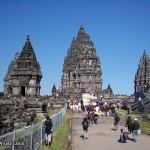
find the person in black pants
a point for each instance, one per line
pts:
(129, 124)
(48, 131)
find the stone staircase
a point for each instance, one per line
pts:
(39, 112)
(77, 119)
(105, 120)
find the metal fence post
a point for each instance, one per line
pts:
(13, 146)
(31, 137)
(41, 133)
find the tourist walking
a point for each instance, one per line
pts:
(116, 122)
(95, 118)
(92, 116)
(113, 110)
(129, 108)
(79, 107)
(135, 127)
(48, 131)
(118, 105)
(89, 117)
(141, 110)
(85, 125)
(129, 124)
(107, 109)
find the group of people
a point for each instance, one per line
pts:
(76, 107)
(133, 127)
(102, 108)
(92, 117)
(92, 114)
(94, 111)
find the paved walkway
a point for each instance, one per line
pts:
(101, 136)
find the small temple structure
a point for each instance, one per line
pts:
(82, 68)
(24, 74)
(108, 92)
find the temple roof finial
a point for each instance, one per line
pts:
(81, 27)
(144, 52)
(28, 38)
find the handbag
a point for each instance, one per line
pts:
(139, 131)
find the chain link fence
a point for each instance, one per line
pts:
(30, 137)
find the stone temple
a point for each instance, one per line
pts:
(81, 69)
(24, 74)
(142, 76)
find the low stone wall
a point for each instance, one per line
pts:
(12, 117)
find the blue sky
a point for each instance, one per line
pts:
(120, 30)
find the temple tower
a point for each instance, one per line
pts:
(24, 74)
(54, 91)
(142, 76)
(81, 69)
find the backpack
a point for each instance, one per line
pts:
(85, 124)
(117, 119)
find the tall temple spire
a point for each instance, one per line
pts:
(54, 91)
(27, 46)
(81, 69)
(142, 76)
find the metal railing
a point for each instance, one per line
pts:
(30, 137)
(138, 104)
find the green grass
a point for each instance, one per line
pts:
(145, 127)
(39, 118)
(54, 111)
(60, 136)
(121, 111)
